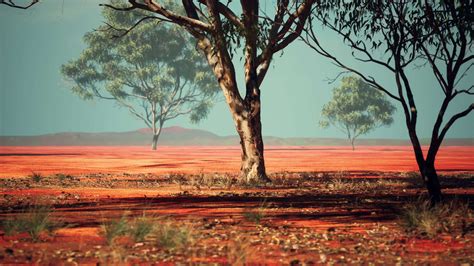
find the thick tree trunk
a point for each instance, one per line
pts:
(252, 167)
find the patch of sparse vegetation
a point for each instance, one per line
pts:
(362, 185)
(171, 236)
(115, 228)
(239, 251)
(421, 218)
(256, 214)
(140, 228)
(64, 177)
(34, 221)
(211, 180)
(36, 177)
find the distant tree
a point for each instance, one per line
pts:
(400, 37)
(154, 71)
(356, 108)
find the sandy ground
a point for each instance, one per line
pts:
(21, 161)
(326, 205)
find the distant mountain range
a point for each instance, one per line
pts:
(179, 136)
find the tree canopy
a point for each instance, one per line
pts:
(356, 109)
(154, 71)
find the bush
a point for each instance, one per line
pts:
(36, 177)
(115, 228)
(33, 221)
(423, 219)
(141, 228)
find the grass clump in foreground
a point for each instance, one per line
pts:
(421, 218)
(167, 233)
(140, 228)
(115, 228)
(34, 221)
(239, 251)
(170, 236)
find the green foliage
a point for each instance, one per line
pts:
(115, 228)
(141, 228)
(421, 218)
(33, 221)
(36, 177)
(356, 108)
(153, 70)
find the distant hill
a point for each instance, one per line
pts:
(179, 136)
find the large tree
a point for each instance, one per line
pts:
(221, 29)
(154, 71)
(399, 36)
(356, 109)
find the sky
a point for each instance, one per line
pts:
(35, 99)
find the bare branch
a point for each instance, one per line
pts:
(11, 3)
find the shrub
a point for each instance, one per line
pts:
(115, 228)
(36, 177)
(421, 218)
(33, 221)
(141, 228)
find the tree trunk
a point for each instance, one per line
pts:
(430, 178)
(253, 163)
(154, 142)
(352, 143)
(156, 136)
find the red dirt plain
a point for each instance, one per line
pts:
(326, 205)
(21, 161)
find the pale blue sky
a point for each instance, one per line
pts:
(34, 98)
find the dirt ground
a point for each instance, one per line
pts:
(312, 213)
(21, 161)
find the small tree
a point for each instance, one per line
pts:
(356, 109)
(154, 71)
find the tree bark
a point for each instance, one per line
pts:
(156, 136)
(430, 178)
(249, 128)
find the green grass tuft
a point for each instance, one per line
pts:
(33, 221)
(36, 177)
(115, 228)
(421, 218)
(141, 228)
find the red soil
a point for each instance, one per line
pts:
(21, 161)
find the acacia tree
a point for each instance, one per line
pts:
(220, 29)
(356, 109)
(154, 71)
(396, 35)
